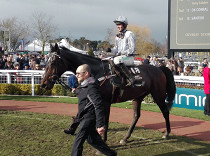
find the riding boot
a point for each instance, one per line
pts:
(114, 68)
(131, 79)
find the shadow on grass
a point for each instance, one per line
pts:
(180, 145)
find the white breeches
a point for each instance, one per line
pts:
(128, 61)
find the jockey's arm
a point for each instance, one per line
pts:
(131, 45)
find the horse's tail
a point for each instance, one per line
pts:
(170, 86)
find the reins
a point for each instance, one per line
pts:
(63, 84)
(105, 79)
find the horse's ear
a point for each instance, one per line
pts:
(51, 47)
(57, 49)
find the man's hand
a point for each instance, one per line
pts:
(100, 130)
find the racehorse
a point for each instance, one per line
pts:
(159, 82)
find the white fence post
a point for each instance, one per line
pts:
(32, 84)
(9, 78)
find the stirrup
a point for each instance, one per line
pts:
(131, 82)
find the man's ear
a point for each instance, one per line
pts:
(87, 74)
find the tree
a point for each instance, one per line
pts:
(110, 36)
(144, 45)
(90, 52)
(43, 29)
(104, 45)
(16, 30)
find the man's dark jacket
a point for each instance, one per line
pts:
(90, 102)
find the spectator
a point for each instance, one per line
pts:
(11, 58)
(32, 63)
(181, 63)
(9, 65)
(72, 81)
(161, 63)
(37, 67)
(206, 75)
(1, 63)
(16, 66)
(26, 66)
(18, 78)
(179, 71)
(205, 62)
(154, 61)
(175, 63)
(4, 59)
(171, 66)
(22, 61)
(17, 59)
(200, 71)
(26, 58)
(188, 71)
(147, 60)
(45, 59)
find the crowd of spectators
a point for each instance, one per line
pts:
(176, 66)
(20, 61)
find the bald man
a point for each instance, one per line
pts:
(91, 114)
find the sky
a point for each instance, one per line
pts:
(92, 18)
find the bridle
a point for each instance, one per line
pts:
(54, 77)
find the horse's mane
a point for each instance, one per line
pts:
(79, 54)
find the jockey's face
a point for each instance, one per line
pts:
(120, 27)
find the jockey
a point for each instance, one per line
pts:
(125, 48)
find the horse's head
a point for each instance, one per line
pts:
(54, 69)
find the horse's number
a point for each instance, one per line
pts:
(135, 70)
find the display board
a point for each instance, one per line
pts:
(189, 24)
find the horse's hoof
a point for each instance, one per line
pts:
(98, 153)
(165, 137)
(122, 142)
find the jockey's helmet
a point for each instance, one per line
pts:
(121, 19)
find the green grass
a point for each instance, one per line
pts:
(71, 100)
(34, 134)
(197, 114)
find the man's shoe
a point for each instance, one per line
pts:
(69, 131)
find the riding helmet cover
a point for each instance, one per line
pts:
(121, 19)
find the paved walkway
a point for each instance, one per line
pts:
(181, 126)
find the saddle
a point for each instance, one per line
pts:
(119, 80)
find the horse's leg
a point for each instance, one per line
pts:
(165, 111)
(106, 126)
(136, 115)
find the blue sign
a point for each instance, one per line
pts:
(189, 98)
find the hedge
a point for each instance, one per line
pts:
(25, 89)
(58, 90)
